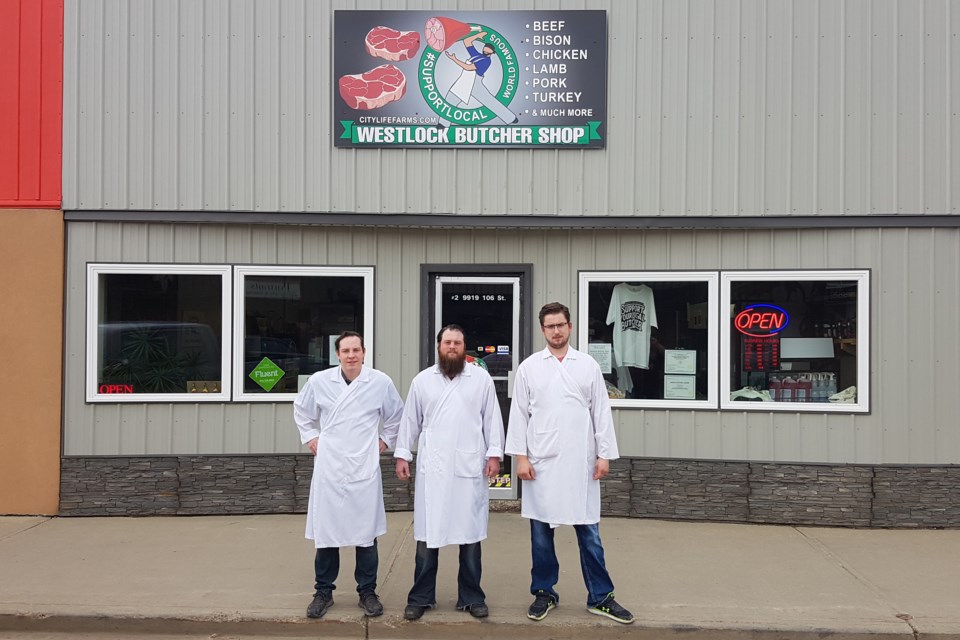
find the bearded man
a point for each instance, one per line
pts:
(452, 415)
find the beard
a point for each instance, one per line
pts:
(451, 364)
(561, 342)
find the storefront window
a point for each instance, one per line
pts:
(796, 341)
(287, 320)
(653, 334)
(157, 331)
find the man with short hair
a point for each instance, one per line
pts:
(452, 415)
(561, 436)
(338, 413)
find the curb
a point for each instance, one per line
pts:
(395, 628)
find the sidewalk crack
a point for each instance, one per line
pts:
(824, 550)
(33, 526)
(906, 617)
(405, 536)
(398, 551)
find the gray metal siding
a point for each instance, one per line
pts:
(915, 353)
(741, 108)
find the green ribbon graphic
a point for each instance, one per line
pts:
(471, 136)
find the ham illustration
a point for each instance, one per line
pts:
(442, 32)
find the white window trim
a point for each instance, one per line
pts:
(709, 277)
(241, 272)
(95, 270)
(862, 278)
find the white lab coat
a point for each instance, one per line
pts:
(346, 493)
(456, 425)
(561, 420)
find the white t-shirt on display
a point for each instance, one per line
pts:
(632, 313)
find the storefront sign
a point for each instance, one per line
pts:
(115, 388)
(266, 374)
(761, 354)
(761, 320)
(274, 288)
(513, 79)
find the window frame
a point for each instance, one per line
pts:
(95, 270)
(711, 278)
(240, 272)
(862, 279)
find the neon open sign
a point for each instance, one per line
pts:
(761, 320)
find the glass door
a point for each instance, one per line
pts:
(488, 309)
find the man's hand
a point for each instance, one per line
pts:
(383, 446)
(403, 469)
(312, 445)
(602, 469)
(493, 467)
(473, 37)
(525, 469)
(466, 66)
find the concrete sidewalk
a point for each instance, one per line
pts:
(249, 575)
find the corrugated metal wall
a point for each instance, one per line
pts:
(31, 102)
(746, 107)
(915, 352)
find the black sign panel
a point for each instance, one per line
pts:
(519, 79)
(761, 354)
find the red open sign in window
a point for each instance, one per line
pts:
(116, 388)
(761, 320)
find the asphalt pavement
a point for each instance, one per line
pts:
(252, 576)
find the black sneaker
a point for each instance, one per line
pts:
(541, 606)
(612, 610)
(322, 601)
(371, 605)
(414, 612)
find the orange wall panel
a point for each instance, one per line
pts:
(31, 261)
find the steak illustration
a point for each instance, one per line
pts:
(373, 89)
(393, 45)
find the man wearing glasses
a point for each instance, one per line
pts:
(561, 435)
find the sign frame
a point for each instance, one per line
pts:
(542, 85)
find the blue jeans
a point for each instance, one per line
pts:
(546, 569)
(327, 567)
(424, 591)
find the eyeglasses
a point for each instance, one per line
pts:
(554, 327)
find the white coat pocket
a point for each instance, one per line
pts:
(468, 464)
(359, 468)
(543, 440)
